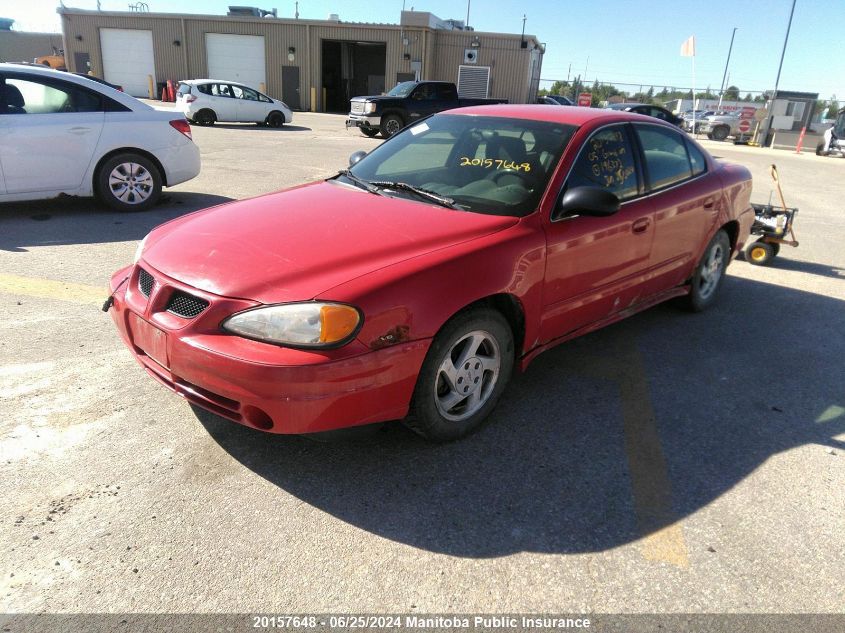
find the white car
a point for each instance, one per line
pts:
(205, 101)
(65, 134)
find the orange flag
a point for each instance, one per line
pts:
(688, 47)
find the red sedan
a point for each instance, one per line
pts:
(412, 284)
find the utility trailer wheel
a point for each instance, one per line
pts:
(760, 253)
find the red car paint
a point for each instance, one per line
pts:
(409, 267)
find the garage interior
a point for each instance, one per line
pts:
(351, 69)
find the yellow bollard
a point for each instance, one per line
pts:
(262, 88)
(151, 87)
(313, 99)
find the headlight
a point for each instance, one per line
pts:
(369, 107)
(309, 324)
(140, 250)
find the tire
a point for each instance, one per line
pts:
(721, 133)
(709, 273)
(275, 119)
(820, 149)
(205, 117)
(368, 131)
(447, 408)
(391, 124)
(128, 182)
(761, 253)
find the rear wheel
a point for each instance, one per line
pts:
(368, 131)
(464, 374)
(128, 182)
(276, 119)
(709, 273)
(205, 117)
(760, 253)
(820, 149)
(391, 124)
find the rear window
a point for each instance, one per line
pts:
(184, 89)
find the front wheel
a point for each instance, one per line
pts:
(391, 124)
(709, 273)
(465, 372)
(128, 182)
(721, 133)
(369, 132)
(276, 119)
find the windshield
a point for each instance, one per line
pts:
(490, 165)
(403, 89)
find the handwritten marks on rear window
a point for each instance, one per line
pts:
(606, 161)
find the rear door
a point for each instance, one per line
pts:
(222, 100)
(597, 266)
(49, 130)
(686, 200)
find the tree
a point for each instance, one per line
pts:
(558, 88)
(748, 97)
(833, 110)
(732, 93)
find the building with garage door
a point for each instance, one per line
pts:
(311, 64)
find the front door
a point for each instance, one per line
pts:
(290, 87)
(596, 266)
(250, 107)
(48, 133)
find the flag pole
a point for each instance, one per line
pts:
(693, 89)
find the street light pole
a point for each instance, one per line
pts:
(730, 48)
(780, 66)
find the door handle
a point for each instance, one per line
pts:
(708, 204)
(640, 226)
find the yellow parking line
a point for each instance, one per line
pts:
(52, 289)
(663, 538)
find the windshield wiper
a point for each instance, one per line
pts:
(364, 184)
(443, 201)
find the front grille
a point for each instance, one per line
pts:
(184, 305)
(357, 107)
(145, 282)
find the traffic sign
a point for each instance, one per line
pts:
(744, 126)
(585, 99)
(760, 114)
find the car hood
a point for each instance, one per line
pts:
(297, 244)
(376, 98)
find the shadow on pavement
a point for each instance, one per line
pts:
(287, 127)
(552, 472)
(87, 221)
(812, 268)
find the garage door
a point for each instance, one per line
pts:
(128, 59)
(236, 58)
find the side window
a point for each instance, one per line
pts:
(666, 159)
(425, 92)
(220, 90)
(264, 99)
(699, 165)
(446, 93)
(205, 89)
(658, 113)
(249, 94)
(606, 160)
(30, 96)
(237, 92)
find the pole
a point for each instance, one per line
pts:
(780, 67)
(728, 61)
(466, 24)
(522, 37)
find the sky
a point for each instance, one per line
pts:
(614, 41)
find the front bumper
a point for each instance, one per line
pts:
(263, 386)
(370, 121)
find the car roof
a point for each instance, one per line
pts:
(196, 82)
(85, 82)
(571, 115)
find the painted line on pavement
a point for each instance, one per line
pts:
(52, 289)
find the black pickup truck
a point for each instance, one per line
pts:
(406, 103)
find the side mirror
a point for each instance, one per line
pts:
(356, 157)
(593, 201)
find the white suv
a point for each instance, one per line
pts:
(65, 134)
(204, 101)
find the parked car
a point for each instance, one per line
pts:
(555, 100)
(649, 110)
(100, 81)
(700, 115)
(66, 135)
(406, 103)
(720, 126)
(206, 101)
(412, 284)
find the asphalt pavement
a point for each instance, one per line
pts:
(669, 463)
